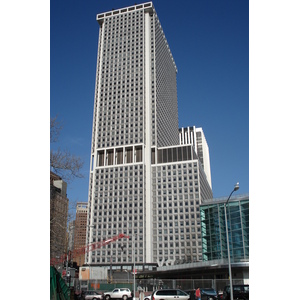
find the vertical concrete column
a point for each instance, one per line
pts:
(97, 100)
(148, 135)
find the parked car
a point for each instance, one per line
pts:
(208, 294)
(119, 293)
(92, 295)
(169, 294)
(81, 295)
(240, 291)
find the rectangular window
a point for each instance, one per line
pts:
(159, 156)
(153, 156)
(180, 154)
(184, 153)
(174, 154)
(100, 158)
(110, 157)
(129, 155)
(119, 156)
(189, 154)
(165, 155)
(139, 153)
(170, 152)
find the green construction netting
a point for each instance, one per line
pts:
(58, 287)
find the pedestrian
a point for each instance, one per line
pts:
(198, 294)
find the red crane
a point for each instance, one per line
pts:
(87, 248)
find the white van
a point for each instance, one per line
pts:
(170, 295)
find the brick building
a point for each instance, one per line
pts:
(80, 230)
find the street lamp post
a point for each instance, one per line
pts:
(89, 256)
(67, 264)
(127, 275)
(133, 257)
(227, 238)
(133, 266)
(110, 272)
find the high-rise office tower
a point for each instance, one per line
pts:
(196, 137)
(143, 183)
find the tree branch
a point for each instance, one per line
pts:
(66, 164)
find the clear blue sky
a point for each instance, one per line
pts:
(209, 40)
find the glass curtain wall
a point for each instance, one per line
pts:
(214, 231)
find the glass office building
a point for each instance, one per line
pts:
(214, 244)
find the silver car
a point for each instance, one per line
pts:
(92, 295)
(170, 295)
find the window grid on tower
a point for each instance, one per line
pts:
(176, 205)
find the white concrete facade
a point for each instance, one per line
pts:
(135, 124)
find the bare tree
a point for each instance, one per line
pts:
(62, 162)
(55, 128)
(65, 166)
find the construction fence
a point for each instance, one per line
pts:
(147, 286)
